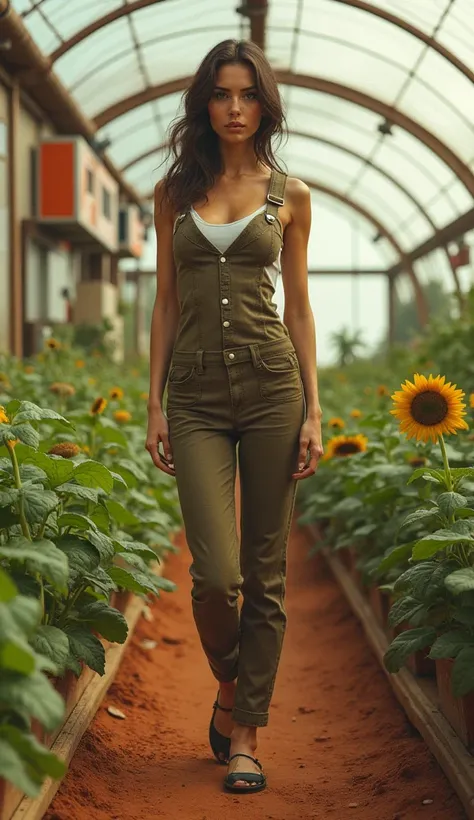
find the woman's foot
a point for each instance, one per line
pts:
(223, 721)
(244, 741)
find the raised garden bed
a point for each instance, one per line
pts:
(418, 696)
(83, 697)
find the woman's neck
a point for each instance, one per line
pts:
(239, 161)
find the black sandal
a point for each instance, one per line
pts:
(250, 777)
(220, 744)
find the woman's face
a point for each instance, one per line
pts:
(234, 99)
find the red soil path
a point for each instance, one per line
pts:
(336, 734)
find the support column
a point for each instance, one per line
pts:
(16, 266)
(391, 309)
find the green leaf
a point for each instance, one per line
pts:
(38, 760)
(418, 515)
(450, 644)
(100, 516)
(53, 643)
(31, 412)
(27, 434)
(76, 520)
(107, 621)
(39, 556)
(8, 589)
(57, 469)
(86, 647)
(450, 502)
(121, 545)
(123, 516)
(347, 505)
(126, 467)
(405, 609)
(33, 695)
(18, 656)
(92, 474)
(14, 770)
(85, 493)
(431, 544)
(38, 503)
(9, 496)
(82, 557)
(397, 555)
(427, 473)
(463, 672)
(416, 578)
(103, 544)
(25, 613)
(127, 580)
(461, 580)
(405, 644)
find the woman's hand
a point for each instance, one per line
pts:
(158, 431)
(310, 441)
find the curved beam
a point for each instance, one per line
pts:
(416, 32)
(353, 95)
(100, 22)
(404, 265)
(136, 5)
(323, 141)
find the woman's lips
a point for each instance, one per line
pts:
(235, 126)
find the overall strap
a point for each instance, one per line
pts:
(276, 192)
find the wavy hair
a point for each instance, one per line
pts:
(193, 143)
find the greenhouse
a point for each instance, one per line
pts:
(155, 544)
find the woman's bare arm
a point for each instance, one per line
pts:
(165, 317)
(164, 325)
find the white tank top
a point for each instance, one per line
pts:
(222, 235)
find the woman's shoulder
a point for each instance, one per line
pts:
(297, 190)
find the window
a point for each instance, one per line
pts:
(89, 181)
(106, 203)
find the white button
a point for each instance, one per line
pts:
(222, 258)
(231, 355)
(225, 301)
(226, 324)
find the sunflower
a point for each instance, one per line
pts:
(345, 446)
(116, 393)
(471, 400)
(29, 369)
(122, 416)
(145, 396)
(62, 389)
(417, 461)
(355, 413)
(336, 423)
(429, 407)
(91, 380)
(80, 363)
(382, 390)
(3, 416)
(53, 344)
(66, 449)
(98, 406)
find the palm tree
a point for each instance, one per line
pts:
(347, 344)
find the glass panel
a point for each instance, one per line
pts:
(110, 86)
(67, 21)
(83, 61)
(424, 15)
(41, 32)
(457, 32)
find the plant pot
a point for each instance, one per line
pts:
(419, 664)
(459, 712)
(380, 604)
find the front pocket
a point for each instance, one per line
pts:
(184, 387)
(279, 378)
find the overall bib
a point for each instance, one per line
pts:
(235, 391)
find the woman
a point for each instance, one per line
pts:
(241, 383)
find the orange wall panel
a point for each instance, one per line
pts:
(57, 179)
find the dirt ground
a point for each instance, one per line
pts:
(337, 743)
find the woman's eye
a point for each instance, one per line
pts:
(219, 95)
(252, 95)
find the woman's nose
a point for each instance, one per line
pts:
(235, 105)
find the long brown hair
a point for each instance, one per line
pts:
(193, 142)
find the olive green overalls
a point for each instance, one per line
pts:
(234, 379)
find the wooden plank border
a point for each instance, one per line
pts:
(417, 696)
(83, 714)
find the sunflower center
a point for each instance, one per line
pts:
(429, 408)
(347, 448)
